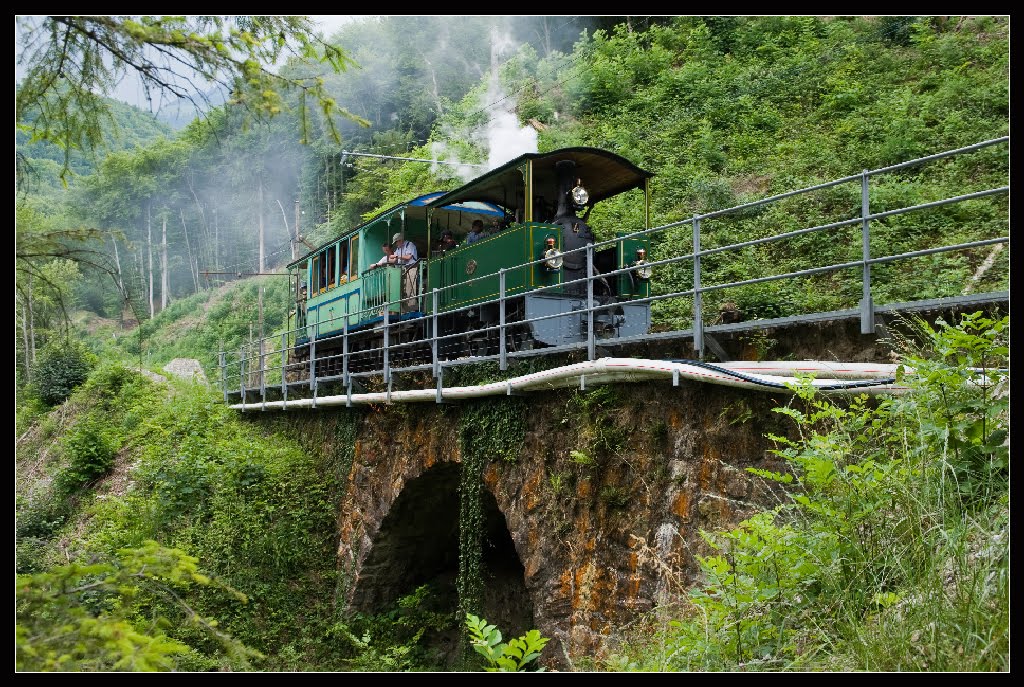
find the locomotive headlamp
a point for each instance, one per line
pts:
(641, 268)
(579, 195)
(552, 256)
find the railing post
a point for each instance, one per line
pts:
(241, 375)
(698, 314)
(503, 364)
(591, 347)
(344, 350)
(867, 307)
(284, 370)
(312, 354)
(223, 374)
(263, 377)
(433, 334)
(387, 342)
(313, 383)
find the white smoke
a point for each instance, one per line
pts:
(439, 150)
(506, 139)
(502, 136)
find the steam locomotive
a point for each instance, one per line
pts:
(533, 278)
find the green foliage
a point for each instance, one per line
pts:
(79, 617)
(965, 414)
(42, 165)
(616, 497)
(397, 640)
(491, 429)
(595, 420)
(891, 555)
(582, 458)
(71, 62)
(494, 428)
(62, 365)
(557, 481)
(90, 452)
(259, 509)
(510, 657)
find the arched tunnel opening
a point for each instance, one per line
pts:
(418, 544)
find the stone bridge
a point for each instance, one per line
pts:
(592, 502)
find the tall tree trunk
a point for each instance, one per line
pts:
(31, 325)
(327, 187)
(24, 338)
(188, 246)
(165, 281)
(121, 282)
(216, 245)
(149, 243)
(259, 209)
(203, 240)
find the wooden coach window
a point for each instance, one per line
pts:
(332, 266)
(353, 259)
(343, 268)
(314, 275)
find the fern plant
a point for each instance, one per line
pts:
(512, 657)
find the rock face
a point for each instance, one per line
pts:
(609, 491)
(186, 368)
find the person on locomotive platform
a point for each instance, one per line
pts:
(447, 242)
(476, 232)
(388, 258)
(407, 256)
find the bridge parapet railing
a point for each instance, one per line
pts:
(896, 240)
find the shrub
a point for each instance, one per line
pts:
(62, 366)
(90, 451)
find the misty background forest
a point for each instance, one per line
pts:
(160, 236)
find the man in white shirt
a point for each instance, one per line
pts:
(387, 259)
(405, 251)
(407, 256)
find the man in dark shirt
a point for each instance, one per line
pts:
(447, 242)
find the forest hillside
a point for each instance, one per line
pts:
(156, 531)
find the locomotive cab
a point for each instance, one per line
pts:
(547, 199)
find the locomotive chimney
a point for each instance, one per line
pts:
(566, 180)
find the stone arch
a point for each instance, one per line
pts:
(417, 543)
